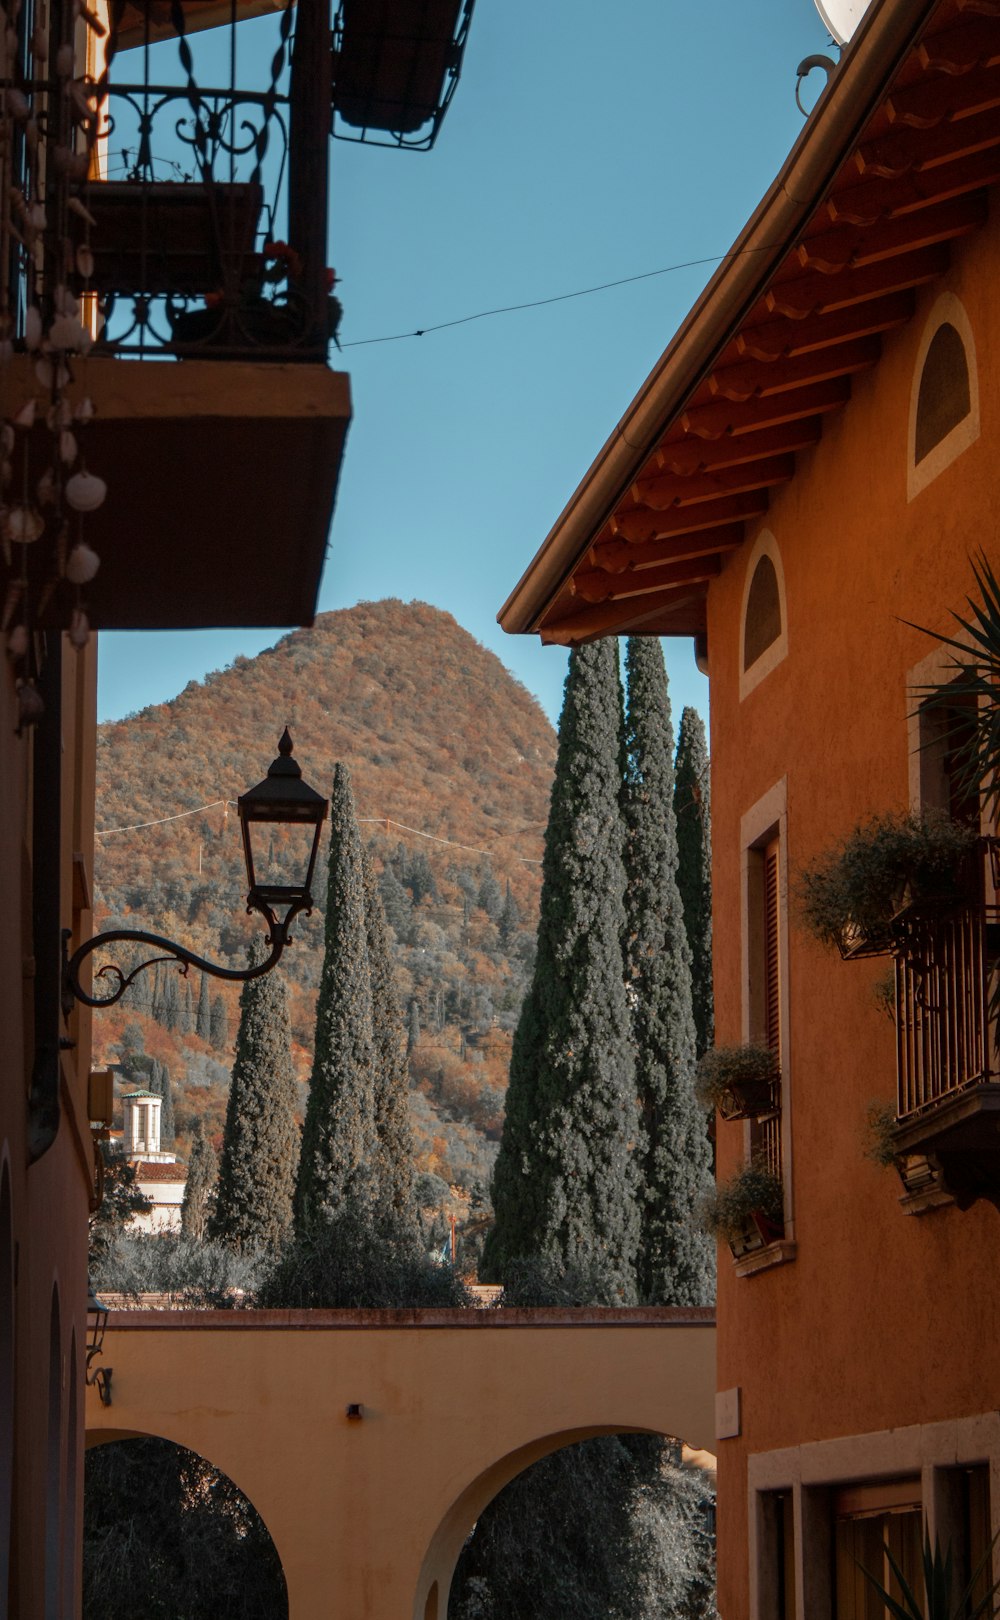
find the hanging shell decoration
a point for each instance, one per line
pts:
(48, 314)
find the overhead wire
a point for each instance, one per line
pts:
(556, 298)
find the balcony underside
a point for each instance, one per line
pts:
(952, 1149)
(221, 482)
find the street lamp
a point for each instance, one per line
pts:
(282, 799)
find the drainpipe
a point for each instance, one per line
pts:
(310, 92)
(46, 911)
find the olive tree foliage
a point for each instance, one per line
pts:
(165, 1534)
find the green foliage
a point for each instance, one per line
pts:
(939, 1582)
(359, 1260)
(565, 1181)
(880, 1121)
(337, 1165)
(218, 1029)
(856, 889)
(121, 1203)
(676, 1260)
(197, 1273)
(199, 1189)
(260, 1145)
(166, 1535)
(754, 1189)
(692, 805)
(532, 1283)
(974, 678)
(203, 1017)
(393, 1167)
(724, 1067)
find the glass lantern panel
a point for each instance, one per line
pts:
(281, 856)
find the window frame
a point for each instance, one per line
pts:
(765, 545)
(946, 310)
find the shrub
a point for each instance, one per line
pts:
(360, 1262)
(196, 1274)
(727, 1074)
(850, 896)
(754, 1190)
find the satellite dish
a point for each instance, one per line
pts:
(841, 17)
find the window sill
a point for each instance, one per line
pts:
(772, 1254)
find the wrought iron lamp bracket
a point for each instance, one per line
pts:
(168, 950)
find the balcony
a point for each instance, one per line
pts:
(947, 971)
(171, 204)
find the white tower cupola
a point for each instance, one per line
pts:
(142, 1123)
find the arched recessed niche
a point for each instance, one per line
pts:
(763, 618)
(944, 396)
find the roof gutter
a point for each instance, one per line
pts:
(885, 37)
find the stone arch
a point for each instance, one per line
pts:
(434, 1585)
(763, 613)
(944, 394)
(98, 1437)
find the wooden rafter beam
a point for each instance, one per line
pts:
(848, 247)
(774, 339)
(759, 378)
(638, 525)
(904, 150)
(810, 293)
(621, 618)
(969, 44)
(596, 585)
(879, 199)
(661, 493)
(930, 100)
(686, 457)
(614, 556)
(722, 417)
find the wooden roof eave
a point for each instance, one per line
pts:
(887, 33)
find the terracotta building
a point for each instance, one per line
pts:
(800, 482)
(166, 310)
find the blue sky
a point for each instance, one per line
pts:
(584, 144)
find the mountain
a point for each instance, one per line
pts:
(451, 760)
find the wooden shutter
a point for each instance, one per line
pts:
(772, 955)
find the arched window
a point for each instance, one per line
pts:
(6, 1377)
(763, 639)
(944, 404)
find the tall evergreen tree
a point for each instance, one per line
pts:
(260, 1145)
(676, 1261)
(199, 1188)
(185, 1011)
(510, 918)
(337, 1163)
(171, 1000)
(394, 1138)
(203, 1017)
(218, 1030)
(564, 1188)
(160, 1082)
(412, 1025)
(692, 802)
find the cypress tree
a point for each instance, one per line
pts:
(412, 1026)
(692, 802)
(510, 918)
(185, 1009)
(171, 1001)
(198, 1189)
(676, 1257)
(160, 1082)
(394, 1139)
(218, 1029)
(337, 1163)
(564, 1187)
(203, 1020)
(260, 1144)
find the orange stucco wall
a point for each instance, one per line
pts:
(882, 1319)
(369, 1516)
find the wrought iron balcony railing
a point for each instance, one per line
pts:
(947, 971)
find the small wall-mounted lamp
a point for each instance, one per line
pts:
(283, 799)
(355, 1411)
(97, 1321)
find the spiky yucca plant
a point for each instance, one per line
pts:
(974, 675)
(939, 1581)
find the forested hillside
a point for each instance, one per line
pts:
(439, 738)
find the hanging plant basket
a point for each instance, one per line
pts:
(740, 1082)
(888, 871)
(747, 1211)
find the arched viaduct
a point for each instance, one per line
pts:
(369, 1513)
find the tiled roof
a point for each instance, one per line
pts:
(149, 1170)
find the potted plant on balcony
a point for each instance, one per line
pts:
(741, 1082)
(748, 1211)
(858, 895)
